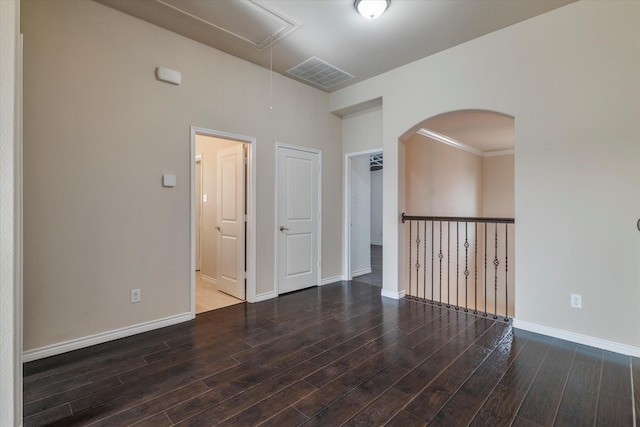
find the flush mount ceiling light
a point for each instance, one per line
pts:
(371, 9)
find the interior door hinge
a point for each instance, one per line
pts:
(245, 217)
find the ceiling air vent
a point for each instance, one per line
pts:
(320, 73)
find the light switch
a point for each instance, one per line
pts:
(204, 198)
(168, 180)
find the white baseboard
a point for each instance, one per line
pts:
(600, 343)
(209, 279)
(361, 272)
(330, 280)
(265, 296)
(392, 294)
(75, 344)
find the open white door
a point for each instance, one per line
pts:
(231, 220)
(198, 209)
(298, 219)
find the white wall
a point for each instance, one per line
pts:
(10, 359)
(360, 215)
(99, 133)
(570, 79)
(376, 207)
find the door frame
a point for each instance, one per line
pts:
(198, 159)
(250, 244)
(276, 230)
(346, 214)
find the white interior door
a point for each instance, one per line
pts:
(298, 219)
(198, 207)
(231, 224)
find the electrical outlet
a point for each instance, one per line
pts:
(136, 295)
(576, 301)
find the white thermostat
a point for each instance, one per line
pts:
(168, 180)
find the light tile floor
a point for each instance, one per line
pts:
(208, 297)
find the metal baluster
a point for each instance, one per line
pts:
(440, 256)
(410, 263)
(495, 273)
(485, 269)
(432, 278)
(417, 257)
(475, 307)
(506, 272)
(424, 261)
(448, 264)
(457, 265)
(466, 266)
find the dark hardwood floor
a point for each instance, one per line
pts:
(335, 355)
(375, 277)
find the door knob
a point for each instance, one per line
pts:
(218, 228)
(283, 228)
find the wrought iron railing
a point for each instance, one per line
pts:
(443, 255)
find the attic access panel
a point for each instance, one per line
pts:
(244, 20)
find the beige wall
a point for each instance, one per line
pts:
(570, 79)
(10, 347)
(362, 131)
(208, 147)
(498, 186)
(360, 215)
(441, 180)
(99, 133)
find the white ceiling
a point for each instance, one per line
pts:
(485, 131)
(285, 33)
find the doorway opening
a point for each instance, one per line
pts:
(363, 216)
(459, 232)
(223, 220)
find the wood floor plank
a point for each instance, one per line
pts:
(68, 396)
(502, 405)
(107, 364)
(349, 360)
(543, 399)
(616, 378)
(465, 404)
(204, 356)
(48, 416)
(635, 369)
(424, 373)
(358, 398)
(334, 390)
(127, 395)
(263, 410)
(580, 399)
(614, 410)
(235, 385)
(158, 420)
(404, 419)
(86, 379)
(381, 409)
(334, 355)
(154, 406)
(426, 404)
(372, 415)
(289, 384)
(289, 417)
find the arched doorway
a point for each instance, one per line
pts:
(459, 192)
